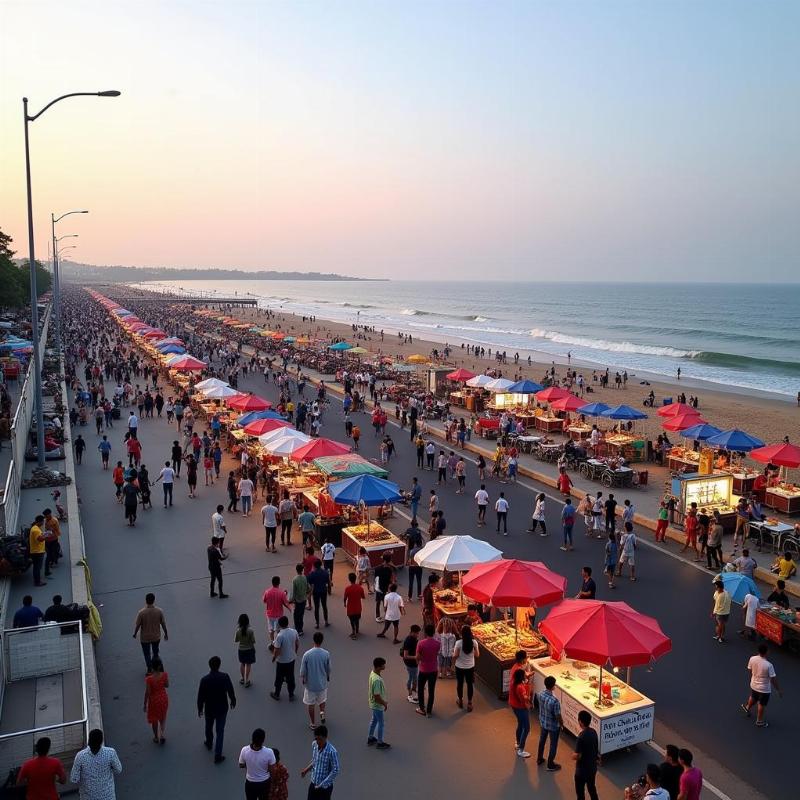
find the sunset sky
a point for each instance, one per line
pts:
(446, 138)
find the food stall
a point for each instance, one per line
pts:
(711, 492)
(683, 459)
(624, 444)
(548, 423)
(450, 604)
(785, 497)
(779, 625)
(622, 718)
(376, 540)
(579, 432)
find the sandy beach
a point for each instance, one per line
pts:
(768, 417)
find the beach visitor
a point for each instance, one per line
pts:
(275, 600)
(519, 699)
(315, 675)
(259, 764)
(269, 519)
(408, 652)
(482, 499)
(721, 610)
(215, 558)
(627, 547)
(378, 705)
(550, 722)
(567, 523)
(464, 654)
(610, 563)
(501, 510)
(298, 597)
(427, 660)
(284, 652)
(156, 700)
(149, 624)
(214, 695)
(245, 639)
(691, 781)
(538, 519)
(762, 682)
(393, 610)
(353, 598)
(663, 521)
(319, 580)
(324, 766)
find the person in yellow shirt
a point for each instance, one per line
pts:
(52, 535)
(785, 567)
(36, 542)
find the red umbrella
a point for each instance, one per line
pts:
(552, 393)
(682, 421)
(568, 403)
(156, 333)
(514, 583)
(187, 364)
(782, 454)
(317, 448)
(249, 402)
(673, 409)
(599, 632)
(460, 375)
(261, 426)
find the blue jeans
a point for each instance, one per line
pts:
(215, 720)
(567, 535)
(523, 726)
(414, 507)
(551, 756)
(376, 725)
(167, 493)
(411, 683)
(247, 502)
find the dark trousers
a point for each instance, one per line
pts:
(176, 465)
(150, 651)
(328, 564)
(585, 781)
(462, 676)
(269, 536)
(551, 756)
(52, 551)
(442, 475)
(233, 501)
(286, 531)
(426, 679)
(429, 461)
(167, 493)
(318, 793)
(379, 603)
(501, 517)
(256, 790)
(355, 622)
(414, 574)
(216, 578)
(420, 459)
(320, 599)
(38, 560)
(298, 613)
(715, 552)
(284, 672)
(611, 524)
(216, 720)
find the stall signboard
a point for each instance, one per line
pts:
(630, 727)
(769, 627)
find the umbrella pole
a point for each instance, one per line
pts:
(600, 687)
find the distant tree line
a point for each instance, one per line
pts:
(15, 282)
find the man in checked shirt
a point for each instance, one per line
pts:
(324, 766)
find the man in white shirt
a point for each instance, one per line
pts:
(597, 514)
(258, 761)
(501, 509)
(133, 424)
(762, 679)
(269, 518)
(430, 452)
(167, 477)
(218, 527)
(245, 490)
(393, 610)
(482, 499)
(749, 607)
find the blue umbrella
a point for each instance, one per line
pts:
(366, 489)
(624, 412)
(340, 346)
(524, 387)
(171, 348)
(594, 409)
(252, 416)
(737, 584)
(700, 432)
(735, 440)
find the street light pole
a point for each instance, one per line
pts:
(37, 367)
(57, 273)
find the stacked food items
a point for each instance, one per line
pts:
(503, 640)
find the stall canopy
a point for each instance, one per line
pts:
(551, 393)
(523, 387)
(252, 416)
(673, 409)
(249, 402)
(347, 466)
(602, 632)
(339, 346)
(456, 553)
(187, 364)
(366, 489)
(285, 442)
(737, 584)
(170, 348)
(624, 412)
(418, 359)
(479, 381)
(682, 421)
(460, 375)
(736, 440)
(498, 385)
(357, 351)
(594, 409)
(259, 427)
(568, 403)
(510, 582)
(208, 383)
(319, 447)
(220, 393)
(782, 454)
(700, 432)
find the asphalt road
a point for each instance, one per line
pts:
(697, 688)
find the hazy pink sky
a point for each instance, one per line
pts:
(452, 139)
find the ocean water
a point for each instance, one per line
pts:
(739, 335)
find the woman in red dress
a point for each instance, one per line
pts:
(156, 700)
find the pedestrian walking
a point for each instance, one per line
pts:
(284, 653)
(319, 580)
(287, 511)
(465, 652)
(324, 766)
(691, 781)
(275, 600)
(538, 519)
(627, 547)
(441, 464)
(394, 609)
(298, 596)
(501, 509)
(130, 496)
(105, 451)
(587, 758)
(721, 610)
(245, 639)
(191, 475)
(94, 768)
(384, 577)
(269, 519)
(378, 705)
(328, 552)
(233, 497)
(482, 499)
(259, 765)
(218, 527)
(610, 563)
(149, 624)
(354, 597)
(714, 544)
(408, 652)
(762, 682)
(156, 700)
(315, 675)
(551, 724)
(245, 489)
(414, 497)
(215, 559)
(567, 524)
(41, 773)
(414, 572)
(214, 695)
(37, 542)
(427, 656)
(519, 699)
(306, 521)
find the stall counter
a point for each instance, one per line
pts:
(623, 721)
(378, 541)
(451, 604)
(783, 498)
(778, 624)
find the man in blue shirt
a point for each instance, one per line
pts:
(416, 496)
(29, 615)
(551, 724)
(315, 674)
(319, 579)
(324, 766)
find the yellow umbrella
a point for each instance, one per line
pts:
(417, 359)
(356, 351)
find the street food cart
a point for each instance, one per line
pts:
(784, 497)
(711, 492)
(779, 625)
(376, 540)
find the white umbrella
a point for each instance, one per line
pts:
(219, 392)
(210, 383)
(285, 445)
(498, 385)
(479, 381)
(456, 553)
(278, 433)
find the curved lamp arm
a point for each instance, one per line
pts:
(109, 93)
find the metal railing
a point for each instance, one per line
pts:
(38, 652)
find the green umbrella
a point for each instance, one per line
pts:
(348, 465)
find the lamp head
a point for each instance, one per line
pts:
(109, 93)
